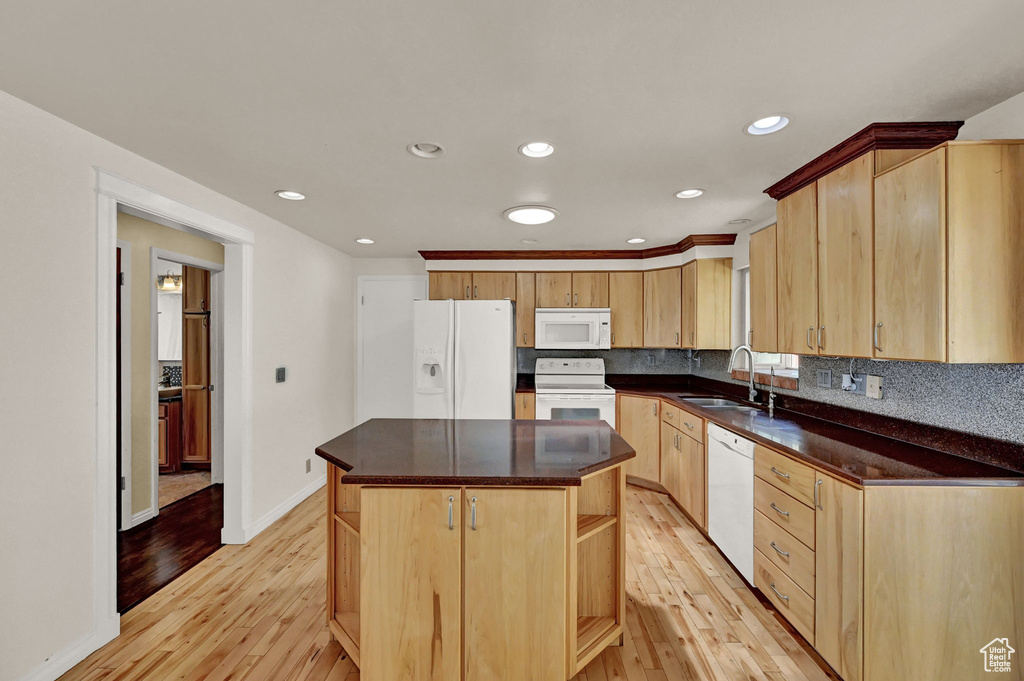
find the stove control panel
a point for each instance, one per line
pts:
(582, 366)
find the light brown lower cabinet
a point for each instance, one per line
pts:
(476, 583)
(638, 422)
(526, 405)
(683, 472)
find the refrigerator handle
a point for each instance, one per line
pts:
(450, 356)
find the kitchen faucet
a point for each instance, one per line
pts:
(771, 394)
(732, 362)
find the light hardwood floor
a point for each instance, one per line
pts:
(256, 612)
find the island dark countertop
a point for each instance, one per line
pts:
(474, 452)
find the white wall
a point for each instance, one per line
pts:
(396, 266)
(303, 309)
(1003, 121)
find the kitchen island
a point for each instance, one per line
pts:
(475, 549)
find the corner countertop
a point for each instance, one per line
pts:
(859, 456)
(444, 452)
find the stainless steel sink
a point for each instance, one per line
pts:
(712, 402)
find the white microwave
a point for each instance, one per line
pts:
(580, 328)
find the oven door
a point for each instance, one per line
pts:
(557, 329)
(575, 407)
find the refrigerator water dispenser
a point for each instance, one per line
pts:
(430, 376)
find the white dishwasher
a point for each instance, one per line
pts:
(731, 497)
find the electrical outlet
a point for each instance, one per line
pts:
(824, 378)
(650, 359)
(855, 384)
(874, 387)
(309, 465)
(279, 375)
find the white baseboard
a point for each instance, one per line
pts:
(60, 662)
(143, 516)
(288, 504)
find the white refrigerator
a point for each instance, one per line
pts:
(464, 359)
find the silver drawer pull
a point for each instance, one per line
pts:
(780, 473)
(780, 551)
(472, 523)
(688, 425)
(772, 587)
(779, 510)
(451, 513)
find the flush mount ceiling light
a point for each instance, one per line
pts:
(364, 241)
(637, 240)
(536, 149)
(689, 193)
(290, 195)
(739, 221)
(426, 150)
(767, 125)
(529, 241)
(531, 215)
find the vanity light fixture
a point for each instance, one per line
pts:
(290, 195)
(767, 125)
(168, 282)
(689, 193)
(536, 149)
(531, 215)
(426, 150)
(637, 240)
(364, 241)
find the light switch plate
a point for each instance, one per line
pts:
(824, 378)
(279, 375)
(874, 387)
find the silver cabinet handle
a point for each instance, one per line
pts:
(817, 495)
(774, 508)
(524, 336)
(467, 292)
(808, 339)
(772, 587)
(878, 328)
(451, 513)
(613, 338)
(654, 408)
(575, 299)
(688, 425)
(476, 291)
(782, 553)
(693, 341)
(750, 338)
(567, 300)
(472, 514)
(820, 347)
(677, 338)
(780, 473)
(202, 304)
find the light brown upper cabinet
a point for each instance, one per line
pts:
(454, 285)
(845, 252)
(662, 319)
(706, 304)
(526, 303)
(949, 250)
(494, 285)
(626, 300)
(797, 279)
(554, 289)
(764, 322)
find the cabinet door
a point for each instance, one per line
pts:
(626, 300)
(195, 388)
(554, 289)
(764, 321)
(195, 290)
(526, 405)
(845, 258)
(494, 285)
(526, 304)
(688, 304)
(693, 482)
(797, 259)
(515, 562)
(672, 461)
(410, 622)
(839, 577)
(162, 442)
(910, 260)
(662, 291)
(713, 304)
(590, 289)
(454, 285)
(638, 421)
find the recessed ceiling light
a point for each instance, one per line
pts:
(689, 193)
(739, 221)
(637, 240)
(531, 215)
(536, 149)
(364, 241)
(426, 150)
(529, 241)
(290, 195)
(767, 125)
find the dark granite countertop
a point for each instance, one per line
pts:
(475, 452)
(860, 456)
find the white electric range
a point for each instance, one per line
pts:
(573, 389)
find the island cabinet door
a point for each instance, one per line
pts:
(410, 595)
(515, 584)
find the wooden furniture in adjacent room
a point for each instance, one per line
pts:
(169, 435)
(195, 369)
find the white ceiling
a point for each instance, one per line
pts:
(640, 98)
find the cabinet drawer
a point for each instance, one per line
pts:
(782, 549)
(161, 410)
(785, 511)
(687, 423)
(671, 414)
(792, 477)
(791, 601)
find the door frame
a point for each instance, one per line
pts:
(126, 384)
(216, 367)
(360, 280)
(114, 193)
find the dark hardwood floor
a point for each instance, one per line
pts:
(159, 551)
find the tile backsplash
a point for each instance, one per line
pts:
(173, 370)
(618, 361)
